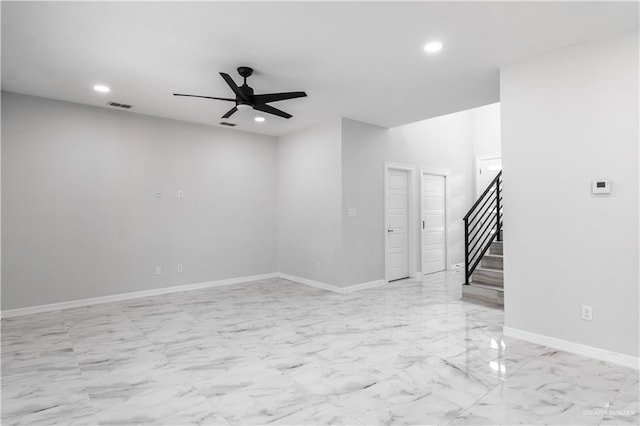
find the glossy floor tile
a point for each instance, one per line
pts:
(278, 352)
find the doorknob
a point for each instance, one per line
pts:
(389, 230)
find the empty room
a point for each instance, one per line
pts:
(320, 213)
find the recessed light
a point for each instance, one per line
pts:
(259, 119)
(101, 88)
(433, 47)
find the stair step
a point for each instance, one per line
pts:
(488, 276)
(483, 292)
(487, 286)
(496, 248)
(495, 261)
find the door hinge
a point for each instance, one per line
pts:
(423, 224)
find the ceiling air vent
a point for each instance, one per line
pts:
(224, 123)
(119, 105)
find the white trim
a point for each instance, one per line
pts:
(411, 228)
(432, 171)
(330, 287)
(133, 295)
(447, 242)
(312, 283)
(363, 286)
(186, 287)
(489, 156)
(575, 348)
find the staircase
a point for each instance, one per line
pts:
(487, 281)
(484, 279)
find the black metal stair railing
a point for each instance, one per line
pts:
(482, 225)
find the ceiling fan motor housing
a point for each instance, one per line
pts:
(248, 95)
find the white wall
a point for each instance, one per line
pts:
(309, 200)
(486, 135)
(443, 143)
(80, 218)
(569, 117)
(486, 132)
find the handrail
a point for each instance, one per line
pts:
(479, 210)
(483, 216)
(483, 194)
(482, 225)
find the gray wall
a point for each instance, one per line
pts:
(81, 218)
(363, 156)
(443, 143)
(569, 117)
(324, 171)
(79, 213)
(309, 200)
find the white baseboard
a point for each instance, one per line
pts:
(331, 287)
(575, 348)
(312, 283)
(186, 287)
(362, 286)
(133, 295)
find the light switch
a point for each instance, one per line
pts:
(601, 186)
(180, 194)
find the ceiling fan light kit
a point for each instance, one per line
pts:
(246, 99)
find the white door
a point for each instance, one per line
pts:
(434, 221)
(397, 212)
(488, 168)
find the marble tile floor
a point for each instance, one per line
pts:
(278, 352)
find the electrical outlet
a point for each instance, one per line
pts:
(180, 194)
(180, 267)
(587, 313)
(158, 270)
(158, 194)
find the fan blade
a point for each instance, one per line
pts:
(274, 97)
(271, 110)
(206, 97)
(234, 86)
(230, 112)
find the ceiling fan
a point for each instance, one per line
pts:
(246, 99)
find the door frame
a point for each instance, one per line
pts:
(411, 220)
(445, 174)
(475, 176)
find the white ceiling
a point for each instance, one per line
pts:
(361, 60)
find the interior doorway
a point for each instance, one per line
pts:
(486, 170)
(433, 208)
(398, 222)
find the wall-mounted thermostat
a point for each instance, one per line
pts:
(601, 186)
